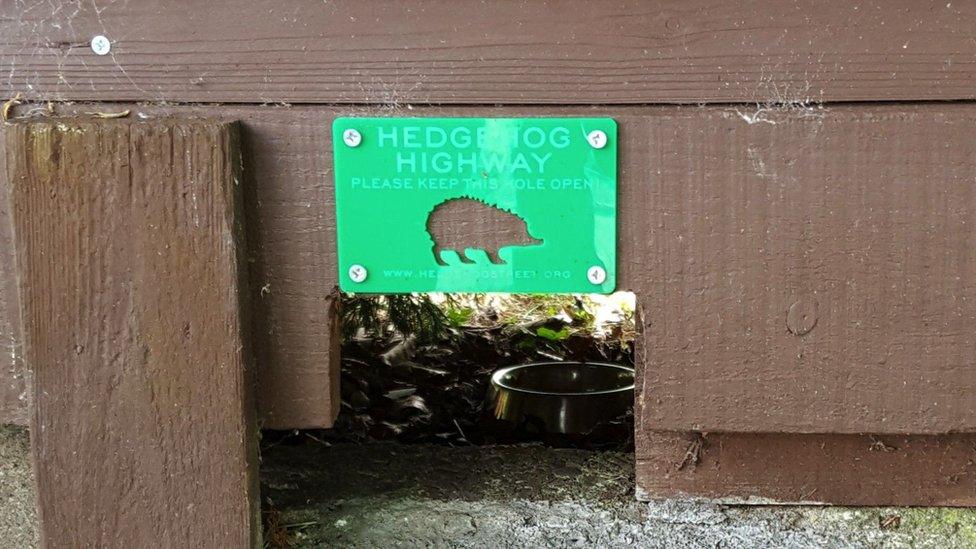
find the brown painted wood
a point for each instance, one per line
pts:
(13, 382)
(729, 216)
(134, 311)
(508, 51)
(290, 259)
(291, 256)
(815, 273)
(759, 468)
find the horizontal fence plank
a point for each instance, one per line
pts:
(509, 51)
(729, 218)
(815, 272)
(775, 468)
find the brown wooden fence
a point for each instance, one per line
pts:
(798, 208)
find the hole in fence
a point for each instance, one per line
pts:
(422, 431)
(419, 369)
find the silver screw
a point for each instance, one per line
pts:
(357, 273)
(596, 274)
(352, 137)
(101, 45)
(597, 139)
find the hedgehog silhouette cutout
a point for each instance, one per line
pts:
(461, 225)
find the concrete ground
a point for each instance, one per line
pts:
(387, 495)
(18, 524)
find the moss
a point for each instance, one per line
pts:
(958, 525)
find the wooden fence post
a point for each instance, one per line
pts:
(142, 424)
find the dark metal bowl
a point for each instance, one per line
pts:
(561, 397)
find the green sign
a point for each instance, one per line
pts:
(476, 204)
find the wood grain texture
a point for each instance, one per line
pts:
(289, 207)
(758, 468)
(859, 224)
(14, 382)
(290, 211)
(133, 303)
(509, 51)
(730, 218)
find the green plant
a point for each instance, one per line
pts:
(553, 335)
(408, 314)
(458, 316)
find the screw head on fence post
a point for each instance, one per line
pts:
(101, 45)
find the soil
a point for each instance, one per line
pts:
(392, 495)
(432, 390)
(18, 520)
(455, 485)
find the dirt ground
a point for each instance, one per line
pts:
(18, 526)
(389, 495)
(394, 495)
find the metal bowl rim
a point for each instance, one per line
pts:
(496, 379)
